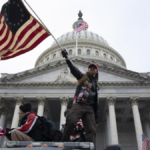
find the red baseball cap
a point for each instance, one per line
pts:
(93, 64)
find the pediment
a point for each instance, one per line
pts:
(59, 71)
(64, 74)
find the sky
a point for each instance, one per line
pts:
(124, 24)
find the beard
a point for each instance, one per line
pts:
(92, 72)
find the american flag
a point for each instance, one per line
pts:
(20, 32)
(145, 142)
(81, 26)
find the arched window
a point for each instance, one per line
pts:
(70, 52)
(96, 53)
(54, 56)
(88, 52)
(92, 35)
(104, 55)
(73, 34)
(111, 58)
(66, 35)
(85, 34)
(79, 34)
(79, 51)
(97, 37)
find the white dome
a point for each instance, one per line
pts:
(91, 46)
(81, 35)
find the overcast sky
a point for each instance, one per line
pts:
(124, 24)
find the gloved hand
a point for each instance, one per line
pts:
(64, 53)
(8, 130)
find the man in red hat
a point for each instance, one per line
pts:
(85, 104)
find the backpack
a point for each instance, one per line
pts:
(48, 130)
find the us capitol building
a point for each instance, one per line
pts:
(124, 95)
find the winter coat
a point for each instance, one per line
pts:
(31, 125)
(93, 92)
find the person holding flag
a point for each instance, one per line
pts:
(85, 104)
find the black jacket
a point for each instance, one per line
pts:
(32, 126)
(78, 75)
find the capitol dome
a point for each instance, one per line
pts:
(91, 46)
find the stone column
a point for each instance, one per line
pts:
(64, 102)
(112, 119)
(41, 103)
(108, 128)
(1, 102)
(137, 121)
(3, 111)
(19, 101)
(8, 125)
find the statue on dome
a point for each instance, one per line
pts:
(80, 15)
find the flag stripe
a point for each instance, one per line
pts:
(145, 145)
(4, 36)
(23, 33)
(32, 35)
(81, 27)
(7, 39)
(32, 41)
(32, 46)
(2, 22)
(19, 31)
(1, 17)
(3, 28)
(26, 33)
(145, 142)
(12, 52)
(10, 41)
(4, 33)
(26, 36)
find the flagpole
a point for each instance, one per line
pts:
(76, 44)
(43, 24)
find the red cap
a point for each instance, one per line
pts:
(93, 64)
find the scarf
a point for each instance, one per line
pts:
(22, 117)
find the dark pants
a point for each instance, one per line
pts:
(86, 113)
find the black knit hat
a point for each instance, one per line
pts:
(25, 107)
